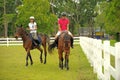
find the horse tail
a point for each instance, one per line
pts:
(51, 47)
(47, 39)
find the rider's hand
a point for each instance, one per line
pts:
(27, 29)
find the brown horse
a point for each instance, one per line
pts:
(28, 44)
(64, 43)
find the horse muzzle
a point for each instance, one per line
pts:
(16, 36)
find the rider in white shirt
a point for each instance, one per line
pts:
(33, 29)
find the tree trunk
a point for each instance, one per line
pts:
(5, 21)
(52, 7)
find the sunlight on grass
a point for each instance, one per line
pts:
(112, 42)
(12, 66)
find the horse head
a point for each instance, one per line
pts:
(19, 31)
(67, 41)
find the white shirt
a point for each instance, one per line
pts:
(32, 27)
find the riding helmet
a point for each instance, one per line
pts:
(32, 17)
(63, 14)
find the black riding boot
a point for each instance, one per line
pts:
(72, 40)
(39, 40)
(56, 42)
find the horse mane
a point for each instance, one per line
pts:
(66, 36)
(25, 32)
(46, 36)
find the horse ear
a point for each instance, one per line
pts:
(16, 25)
(21, 25)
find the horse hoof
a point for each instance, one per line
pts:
(41, 61)
(68, 68)
(45, 62)
(26, 65)
(65, 66)
(32, 63)
(61, 68)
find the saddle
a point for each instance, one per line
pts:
(35, 40)
(71, 38)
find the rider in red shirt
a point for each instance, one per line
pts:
(63, 25)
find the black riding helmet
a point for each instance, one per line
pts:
(63, 14)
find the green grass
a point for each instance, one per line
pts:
(12, 66)
(112, 42)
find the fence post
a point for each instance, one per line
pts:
(117, 61)
(7, 41)
(99, 58)
(94, 56)
(106, 60)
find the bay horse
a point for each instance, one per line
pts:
(28, 44)
(64, 44)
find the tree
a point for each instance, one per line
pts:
(7, 16)
(109, 16)
(113, 17)
(40, 9)
(80, 12)
(100, 19)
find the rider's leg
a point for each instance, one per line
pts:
(72, 39)
(32, 38)
(39, 39)
(56, 38)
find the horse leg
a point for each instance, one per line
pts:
(40, 49)
(62, 62)
(67, 61)
(28, 55)
(60, 59)
(28, 51)
(27, 59)
(30, 58)
(45, 53)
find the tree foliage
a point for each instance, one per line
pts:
(109, 18)
(7, 16)
(113, 17)
(80, 12)
(40, 9)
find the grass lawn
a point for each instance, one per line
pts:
(12, 66)
(112, 42)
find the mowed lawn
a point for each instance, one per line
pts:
(12, 66)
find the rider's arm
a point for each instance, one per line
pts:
(67, 27)
(59, 28)
(35, 26)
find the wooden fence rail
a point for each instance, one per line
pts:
(99, 56)
(13, 41)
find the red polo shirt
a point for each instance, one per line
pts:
(63, 23)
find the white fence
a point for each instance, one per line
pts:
(99, 56)
(10, 41)
(13, 41)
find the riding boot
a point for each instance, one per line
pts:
(56, 41)
(72, 40)
(35, 42)
(39, 40)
